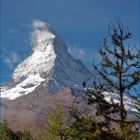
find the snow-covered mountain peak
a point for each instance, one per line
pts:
(50, 60)
(42, 35)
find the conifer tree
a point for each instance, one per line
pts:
(56, 128)
(7, 133)
(26, 135)
(118, 73)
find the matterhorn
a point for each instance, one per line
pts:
(49, 68)
(49, 76)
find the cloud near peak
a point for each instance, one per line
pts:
(41, 32)
(36, 24)
(11, 59)
(77, 53)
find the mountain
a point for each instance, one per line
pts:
(50, 67)
(49, 76)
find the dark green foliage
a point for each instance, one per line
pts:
(88, 127)
(57, 127)
(8, 134)
(26, 135)
(85, 127)
(77, 125)
(127, 133)
(72, 126)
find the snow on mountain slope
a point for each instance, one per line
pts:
(50, 61)
(130, 104)
(23, 88)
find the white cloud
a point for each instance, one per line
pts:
(41, 32)
(36, 23)
(11, 60)
(77, 53)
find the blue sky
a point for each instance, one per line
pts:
(81, 23)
